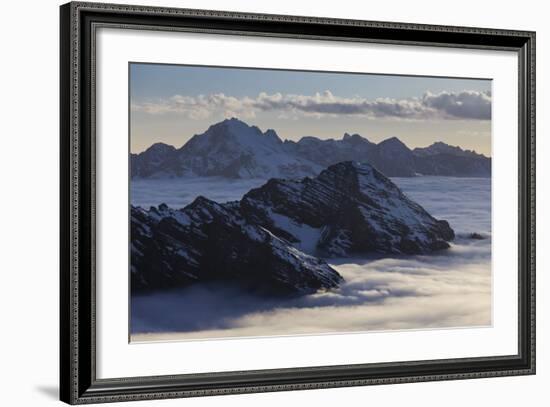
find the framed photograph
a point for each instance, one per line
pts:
(254, 203)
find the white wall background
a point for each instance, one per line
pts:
(29, 205)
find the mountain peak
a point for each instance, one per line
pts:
(392, 140)
(379, 217)
(232, 148)
(231, 123)
(354, 138)
(161, 148)
(232, 120)
(394, 144)
(440, 147)
(239, 127)
(272, 134)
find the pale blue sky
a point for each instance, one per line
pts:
(157, 115)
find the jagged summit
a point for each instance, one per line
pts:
(274, 240)
(238, 127)
(349, 208)
(160, 148)
(232, 149)
(393, 142)
(355, 139)
(231, 134)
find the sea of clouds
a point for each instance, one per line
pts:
(448, 289)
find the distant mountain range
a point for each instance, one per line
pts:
(274, 240)
(234, 149)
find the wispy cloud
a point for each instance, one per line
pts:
(469, 105)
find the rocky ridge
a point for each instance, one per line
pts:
(276, 238)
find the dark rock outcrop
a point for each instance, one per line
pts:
(206, 242)
(274, 239)
(350, 208)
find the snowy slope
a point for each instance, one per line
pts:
(234, 149)
(349, 208)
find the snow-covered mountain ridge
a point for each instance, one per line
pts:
(234, 149)
(230, 149)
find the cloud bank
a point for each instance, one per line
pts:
(466, 105)
(452, 288)
(388, 294)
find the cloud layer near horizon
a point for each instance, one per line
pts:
(466, 105)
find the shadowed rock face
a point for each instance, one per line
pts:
(152, 161)
(273, 240)
(350, 208)
(206, 241)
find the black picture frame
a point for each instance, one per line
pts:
(78, 382)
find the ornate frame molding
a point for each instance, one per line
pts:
(79, 21)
